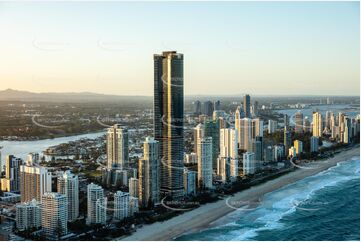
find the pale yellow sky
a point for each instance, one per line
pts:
(229, 48)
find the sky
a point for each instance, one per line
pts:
(260, 48)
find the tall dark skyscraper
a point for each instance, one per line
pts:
(197, 107)
(208, 108)
(217, 105)
(168, 120)
(287, 139)
(247, 105)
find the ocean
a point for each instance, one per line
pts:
(325, 206)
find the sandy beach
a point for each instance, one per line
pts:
(205, 215)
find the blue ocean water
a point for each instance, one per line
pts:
(325, 206)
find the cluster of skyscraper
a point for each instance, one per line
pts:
(40, 206)
(221, 145)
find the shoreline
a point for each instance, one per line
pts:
(207, 214)
(52, 138)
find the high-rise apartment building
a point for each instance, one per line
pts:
(247, 130)
(149, 174)
(117, 147)
(257, 148)
(317, 124)
(287, 141)
(224, 168)
(211, 129)
(198, 132)
(228, 152)
(168, 120)
(68, 185)
(190, 182)
(292, 152)
(134, 187)
(217, 105)
(205, 164)
(197, 110)
(34, 182)
(11, 181)
(314, 144)
(121, 205)
(298, 146)
(328, 118)
(272, 126)
(208, 108)
(249, 163)
(54, 215)
(247, 105)
(306, 125)
(28, 215)
(97, 205)
(298, 119)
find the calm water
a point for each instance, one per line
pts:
(321, 207)
(22, 148)
(347, 109)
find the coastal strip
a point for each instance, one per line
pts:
(202, 217)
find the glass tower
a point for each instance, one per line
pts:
(168, 120)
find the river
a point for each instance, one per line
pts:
(21, 149)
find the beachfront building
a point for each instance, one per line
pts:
(314, 144)
(149, 174)
(269, 155)
(133, 206)
(224, 168)
(205, 168)
(317, 124)
(189, 182)
(229, 151)
(279, 152)
(292, 152)
(287, 141)
(249, 163)
(169, 120)
(298, 146)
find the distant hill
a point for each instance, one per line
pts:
(16, 95)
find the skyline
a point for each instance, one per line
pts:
(235, 48)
